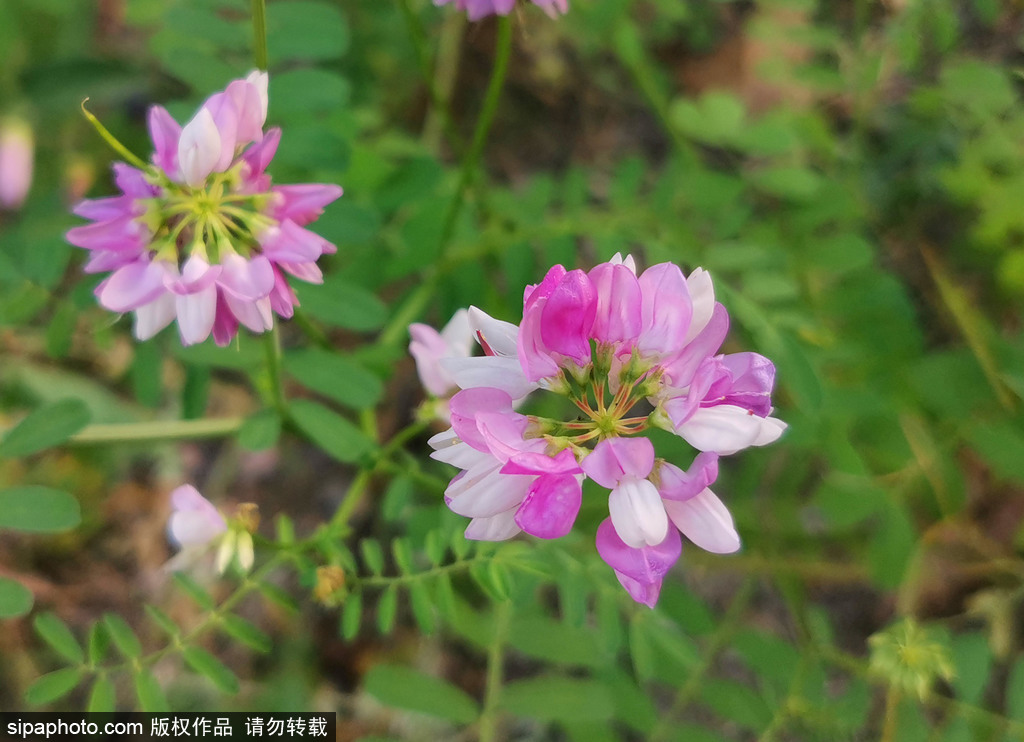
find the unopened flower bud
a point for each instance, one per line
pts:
(329, 580)
(910, 658)
(16, 157)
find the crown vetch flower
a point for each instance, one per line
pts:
(477, 9)
(201, 235)
(629, 352)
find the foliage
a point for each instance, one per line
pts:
(856, 198)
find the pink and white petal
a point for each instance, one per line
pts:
(496, 372)
(771, 429)
(255, 314)
(679, 372)
(251, 278)
(427, 348)
(460, 455)
(196, 314)
(309, 272)
(645, 565)
(618, 303)
(666, 309)
(617, 258)
(637, 513)
(500, 527)
(484, 491)
(706, 521)
(199, 148)
(502, 433)
(458, 335)
(676, 484)
(153, 317)
(222, 108)
(260, 81)
(194, 518)
(132, 286)
(467, 404)
(726, 429)
(165, 133)
(225, 327)
(702, 296)
(614, 459)
(498, 335)
(303, 203)
(539, 462)
(550, 506)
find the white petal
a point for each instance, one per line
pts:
(497, 372)
(498, 527)
(198, 148)
(638, 513)
(153, 317)
(705, 521)
(462, 455)
(726, 429)
(458, 335)
(196, 314)
(500, 336)
(702, 294)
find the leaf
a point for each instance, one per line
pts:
(330, 431)
(306, 30)
(341, 304)
(402, 553)
(162, 620)
(102, 697)
(45, 427)
(150, 695)
(387, 608)
(36, 509)
(335, 376)
(122, 635)
(195, 591)
(260, 431)
(277, 596)
(794, 183)
(211, 668)
(245, 632)
(15, 599)
(406, 688)
(351, 616)
(558, 698)
(973, 661)
(56, 633)
(52, 686)
(422, 609)
(556, 641)
(99, 642)
(373, 555)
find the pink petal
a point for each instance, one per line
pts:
(132, 286)
(165, 133)
(291, 243)
(666, 309)
(194, 519)
(255, 314)
(467, 404)
(613, 459)
(645, 565)
(153, 317)
(496, 372)
(568, 316)
(251, 278)
(681, 369)
(196, 314)
(224, 113)
(675, 484)
(428, 348)
(550, 506)
(303, 203)
(618, 303)
(646, 593)
(530, 462)
(500, 527)
(706, 522)
(483, 491)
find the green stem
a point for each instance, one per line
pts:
(159, 430)
(112, 140)
(354, 494)
(438, 98)
(892, 711)
(259, 33)
(495, 672)
(723, 635)
(272, 345)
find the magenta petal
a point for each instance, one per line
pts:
(542, 290)
(614, 459)
(676, 484)
(291, 243)
(550, 506)
(753, 377)
(568, 316)
(165, 133)
(564, 462)
(534, 356)
(680, 370)
(222, 109)
(123, 233)
(259, 155)
(132, 286)
(132, 181)
(225, 324)
(647, 564)
(618, 315)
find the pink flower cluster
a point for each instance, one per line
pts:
(201, 235)
(477, 9)
(630, 352)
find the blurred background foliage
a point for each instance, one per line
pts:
(851, 173)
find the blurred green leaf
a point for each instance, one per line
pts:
(37, 509)
(406, 688)
(56, 633)
(45, 427)
(15, 599)
(306, 30)
(335, 376)
(211, 668)
(558, 698)
(53, 686)
(342, 304)
(330, 431)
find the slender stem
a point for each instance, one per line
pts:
(272, 345)
(355, 491)
(110, 139)
(892, 712)
(259, 33)
(159, 430)
(495, 672)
